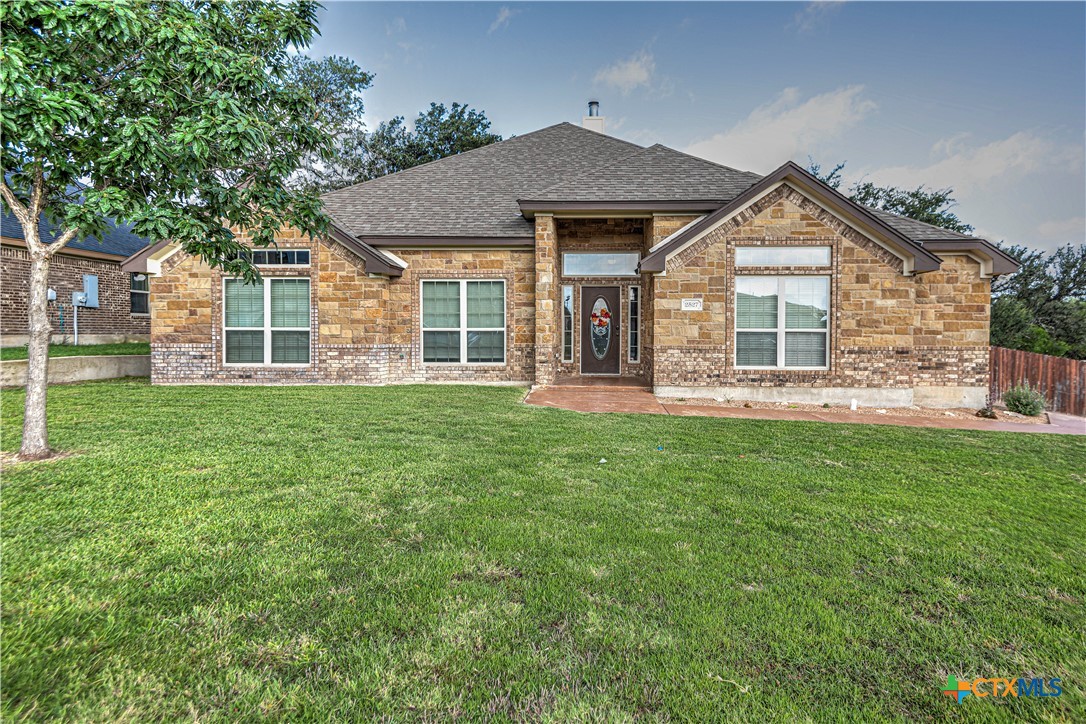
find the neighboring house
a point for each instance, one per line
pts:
(122, 311)
(566, 252)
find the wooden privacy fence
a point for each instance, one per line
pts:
(1060, 380)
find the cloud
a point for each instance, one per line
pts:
(969, 168)
(502, 21)
(814, 14)
(626, 75)
(397, 25)
(1071, 230)
(789, 127)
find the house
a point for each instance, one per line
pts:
(118, 303)
(564, 253)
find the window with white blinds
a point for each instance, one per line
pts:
(782, 322)
(266, 322)
(463, 321)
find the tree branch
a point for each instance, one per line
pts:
(16, 206)
(61, 241)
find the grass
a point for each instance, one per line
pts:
(89, 350)
(427, 552)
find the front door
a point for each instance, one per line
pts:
(600, 314)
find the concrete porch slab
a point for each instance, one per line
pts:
(641, 400)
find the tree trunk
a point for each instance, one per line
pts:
(35, 434)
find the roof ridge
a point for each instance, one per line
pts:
(489, 146)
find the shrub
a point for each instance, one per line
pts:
(1024, 400)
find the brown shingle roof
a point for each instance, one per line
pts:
(657, 173)
(474, 193)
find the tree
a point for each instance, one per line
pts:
(1042, 307)
(932, 206)
(392, 146)
(180, 117)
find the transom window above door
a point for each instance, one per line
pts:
(610, 264)
(463, 321)
(794, 334)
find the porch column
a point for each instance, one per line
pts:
(546, 320)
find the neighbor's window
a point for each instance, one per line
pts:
(277, 257)
(782, 256)
(634, 336)
(618, 264)
(792, 334)
(267, 322)
(463, 321)
(140, 295)
(567, 324)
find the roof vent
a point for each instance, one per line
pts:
(593, 121)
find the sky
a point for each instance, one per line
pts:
(986, 98)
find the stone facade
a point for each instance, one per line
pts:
(112, 321)
(364, 330)
(886, 330)
(892, 339)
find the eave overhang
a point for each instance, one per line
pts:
(530, 207)
(993, 260)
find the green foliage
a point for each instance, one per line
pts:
(932, 206)
(183, 117)
(83, 350)
(1042, 307)
(392, 146)
(1024, 400)
(438, 552)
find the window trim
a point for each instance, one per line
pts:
(306, 265)
(781, 330)
(633, 324)
(568, 337)
(145, 292)
(463, 329)
(266, 329)
(779, 247)
(629, 275)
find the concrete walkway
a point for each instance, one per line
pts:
(616, 398)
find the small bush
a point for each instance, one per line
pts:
(1024, 400)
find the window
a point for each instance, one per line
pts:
(567, 324)
(463, 321)
(140, 295)
(782, 256)
(278, 257)
(600, 265)
(266, 322)
(793, 334)
(634, 336)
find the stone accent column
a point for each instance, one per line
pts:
(546, 320)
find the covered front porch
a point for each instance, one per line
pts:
(594, 321)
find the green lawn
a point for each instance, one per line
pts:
(70, 350)
(423, 552)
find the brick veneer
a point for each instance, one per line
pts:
(111, 321)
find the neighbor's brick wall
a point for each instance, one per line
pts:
(886, 329)
(113, 316)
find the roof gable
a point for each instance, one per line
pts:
(860, 218)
